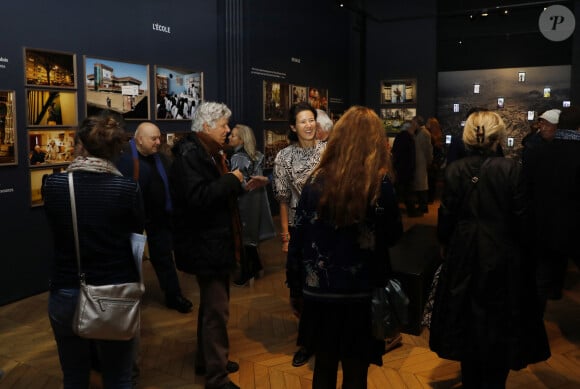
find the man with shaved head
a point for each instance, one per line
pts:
(145, 164)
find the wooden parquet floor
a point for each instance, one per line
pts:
(262, 333)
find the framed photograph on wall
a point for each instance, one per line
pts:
(298, 94)
(318, 98)
(547, 92)
(8, 149)
(49, 68)
(178, 93)
(37, 177)
(398, 92)
(274, 141)
(56, 146)
(276, 100)
(500, 102)
(48, 107)
(122, 87)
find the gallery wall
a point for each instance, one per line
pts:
(122, 31)
(401, 45)
(181, 34)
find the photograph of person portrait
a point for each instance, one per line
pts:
(276, 100)
(178, 92)
(37, 178)
(8, 149)
(51, 108)
(318, 98)
(397, 92)
(51, 147)
(122, 87)
(274, 141)
(49, 68)
(298, 94)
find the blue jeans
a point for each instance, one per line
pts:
(116, 357)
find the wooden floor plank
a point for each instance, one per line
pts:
(262, 333)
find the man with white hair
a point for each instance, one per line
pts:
(323, 125)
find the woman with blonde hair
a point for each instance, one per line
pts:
(485, 313)
(257, 223)
(333, 262)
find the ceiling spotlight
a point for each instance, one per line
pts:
(505, 12)
(341, 5)
(460, 42)
(484, 13)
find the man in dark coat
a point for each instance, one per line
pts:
(144, 163)
(404, 163)
(552, 168)
(207, 233)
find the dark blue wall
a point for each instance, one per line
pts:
(117, 30)
(316, 32)
(273, 33)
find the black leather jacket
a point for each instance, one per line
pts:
(485, 301)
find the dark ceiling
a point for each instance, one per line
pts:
(507, 36)
(390, 10)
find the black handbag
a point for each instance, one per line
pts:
(390, 310)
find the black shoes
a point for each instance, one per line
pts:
(179, 303)
(241, 282)
(231, 367)
(301, 357)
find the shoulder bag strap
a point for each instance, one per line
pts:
(135, 156)
(73, 207)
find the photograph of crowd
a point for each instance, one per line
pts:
(178, 93)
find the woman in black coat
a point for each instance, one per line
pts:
(486, 313)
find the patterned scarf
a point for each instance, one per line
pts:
(215, 150)
(92, 164)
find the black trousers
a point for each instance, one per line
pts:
(354, 372)
(212, 334)
(159, 241)
(475, 374)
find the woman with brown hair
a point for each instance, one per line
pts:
(332, 264)
(110, 208)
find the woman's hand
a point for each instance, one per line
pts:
(256, 182)
(285, 240)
